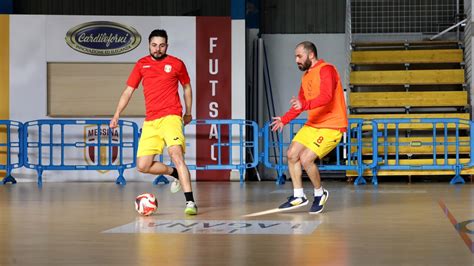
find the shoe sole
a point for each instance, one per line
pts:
(317, 211)
(190, 212)
(294, 207)
(327, 197)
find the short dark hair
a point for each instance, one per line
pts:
(158, 33)
(309, 47)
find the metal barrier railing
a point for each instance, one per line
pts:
(348, 153)
(234, 143)
(442, 148)
(52, 145)
(11, 148)
(57, 144)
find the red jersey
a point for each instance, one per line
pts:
(160, 85)
(322, 95)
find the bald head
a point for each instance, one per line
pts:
(309, 47)
(306, 55)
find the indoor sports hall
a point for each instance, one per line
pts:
(236, 132)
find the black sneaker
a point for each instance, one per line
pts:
(293, 203)
(318, 204)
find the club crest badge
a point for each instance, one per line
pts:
(101, 152)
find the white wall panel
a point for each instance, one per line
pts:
(285, 75)
(27, 68)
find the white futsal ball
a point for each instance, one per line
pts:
(146, 204)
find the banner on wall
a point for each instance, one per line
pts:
(213, 95)
(103, 38)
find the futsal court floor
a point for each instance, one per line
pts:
(96, 224)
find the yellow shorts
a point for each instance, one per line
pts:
(157, 133)
(320, 140)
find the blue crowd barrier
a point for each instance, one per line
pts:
(11, 133)
(236, 144)
(348, 155)
(50, 145)
(53, 145)
(445, 135)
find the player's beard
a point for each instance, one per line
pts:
(158, 56)
(305, 66)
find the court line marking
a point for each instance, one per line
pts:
(368, 191)
(454, 222)
(270, 211)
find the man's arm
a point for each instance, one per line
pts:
(123, 102)
(188, 100)
(293, 112)
(279, 122)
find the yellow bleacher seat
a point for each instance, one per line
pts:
(407, 56)
(411, 99)
(418, 145)
(407, 77)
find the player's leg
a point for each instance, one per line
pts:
(298, 199)
(173, 135)
(177, 157)
(146, 164)
(152, 143)
(294, 164)
(323, 142)
(176, 154)
(308, 158)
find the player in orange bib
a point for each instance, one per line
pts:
(160, 74)
(320, 94)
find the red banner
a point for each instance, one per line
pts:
(213, 92)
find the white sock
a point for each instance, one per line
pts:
(318, 192)
(298, 193)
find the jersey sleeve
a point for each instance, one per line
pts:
(183, 75)
(135, 76)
